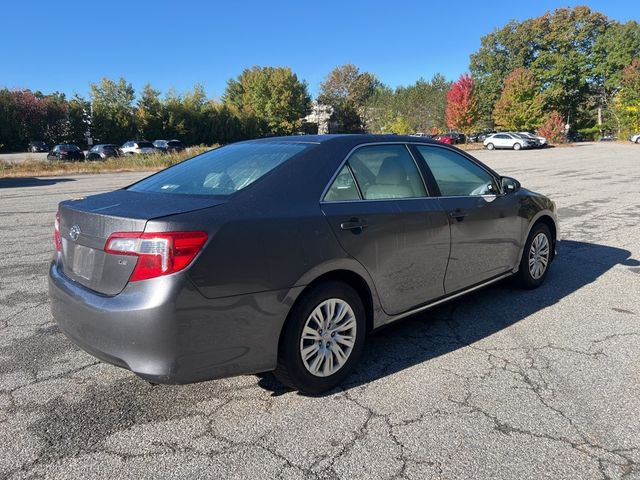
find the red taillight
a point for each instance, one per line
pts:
(158, 253)
(56, 232)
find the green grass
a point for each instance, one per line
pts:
(127, 163)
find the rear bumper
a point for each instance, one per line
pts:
(165, 331)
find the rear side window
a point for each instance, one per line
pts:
(222, 171)
(343, 188)
(386, 172)
(457, 175)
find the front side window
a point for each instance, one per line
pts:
(386, 172)
(456, 175)
(222, 171)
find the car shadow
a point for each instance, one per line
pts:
(478, 315)
(20, 182)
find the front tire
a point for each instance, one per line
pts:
(323, 338)
(490, 146)
(517, 146)
(536, 257)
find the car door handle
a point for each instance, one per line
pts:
(354, 224)
(458, 214)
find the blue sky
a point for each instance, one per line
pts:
(65, 45)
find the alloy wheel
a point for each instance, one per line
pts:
(328, 337)
(539, 256)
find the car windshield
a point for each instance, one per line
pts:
(145, 144)
(69, 148)
(174, 143)
(160, 143)
(222, 171)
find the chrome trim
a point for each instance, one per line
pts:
(463, 154)
(451, 297)
(323, 202)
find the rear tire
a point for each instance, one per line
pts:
(326, 326)
(536, 257)
(490, 146)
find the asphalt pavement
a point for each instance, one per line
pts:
(504, 383)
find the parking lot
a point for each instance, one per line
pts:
(504, 383)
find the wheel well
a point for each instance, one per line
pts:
(356, 282)
(548, 221)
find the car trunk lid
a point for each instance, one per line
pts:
(86, 224)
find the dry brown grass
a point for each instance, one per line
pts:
(132, 163)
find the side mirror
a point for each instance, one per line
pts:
(510, 185)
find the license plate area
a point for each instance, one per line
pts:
(84, 259)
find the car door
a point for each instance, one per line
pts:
(380, 211)
(501, 140)
(485, 225)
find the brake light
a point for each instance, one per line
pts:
(158, 253)
(56, 232)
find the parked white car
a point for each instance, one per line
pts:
(507, 140)
(133, 147)
(635, 138)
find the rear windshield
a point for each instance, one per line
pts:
(222, 171)
(145, 144)
(174, 143)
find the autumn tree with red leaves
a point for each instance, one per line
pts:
(553, 128)
(462, 105)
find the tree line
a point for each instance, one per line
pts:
(571, 66)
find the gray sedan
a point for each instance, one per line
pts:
(282, 254)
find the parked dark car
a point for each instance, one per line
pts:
(574, 136)
(451, 138)
(479, 136)
(282, 254)
(169, 146)
(445, 138)
(65, 152)
(103, 152)
(37, 146)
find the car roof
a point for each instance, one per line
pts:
(344, 139)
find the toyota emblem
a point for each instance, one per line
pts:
(74, 232)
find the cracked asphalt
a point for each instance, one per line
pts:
(504, 383)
